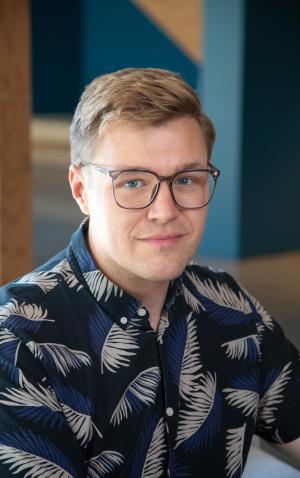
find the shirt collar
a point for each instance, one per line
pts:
(118, 304)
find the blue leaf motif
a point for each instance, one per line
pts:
(140, 392)
(222, 303)
(149, 461)
(99, 327)
(15, 316)
(200, 421)
(24, 450)
(9, 345)
(177, 470)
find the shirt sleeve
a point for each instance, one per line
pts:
(278, 418)
(33, 431)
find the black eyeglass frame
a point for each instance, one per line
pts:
(114, 173)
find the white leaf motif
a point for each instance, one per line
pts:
(191, 365)
(6, 336)
(36, 467)
(238, 348)
(266, 318)
(154, 462)
(44, 280)
(247, 400)
(143, 388)
(162, 326)
(101, 465)
(234, 450)
(117, 348)
(64, 269)
(63, 358)
(99, 285)
(30, 396)
(199, 409)
(272, 398)
(81, 425)
(221, 294)
(191, 300)
(32, 312)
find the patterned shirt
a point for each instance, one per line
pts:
(89, 389)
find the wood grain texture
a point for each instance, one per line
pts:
(15, 177)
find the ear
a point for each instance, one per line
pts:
(78, 186)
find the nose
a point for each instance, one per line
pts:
(163, 209)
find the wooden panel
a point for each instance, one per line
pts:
(15, 178)
(181, 20)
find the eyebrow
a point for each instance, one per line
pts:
(192, 165)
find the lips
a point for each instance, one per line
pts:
(162, 240)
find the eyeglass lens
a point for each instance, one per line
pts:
(191, 189)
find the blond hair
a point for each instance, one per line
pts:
(141, 96)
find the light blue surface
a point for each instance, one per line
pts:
(264, 465)
(222, 89)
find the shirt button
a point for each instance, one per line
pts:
(123, 320)
(141, 312)
(170, 411)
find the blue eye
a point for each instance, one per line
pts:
(132, 184)
(184, 181)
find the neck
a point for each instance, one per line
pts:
(151, 294)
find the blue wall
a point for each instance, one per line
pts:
(270, 217)
(55, 32)
(223, 96)
(73, 41)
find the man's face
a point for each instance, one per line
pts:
(152, 244)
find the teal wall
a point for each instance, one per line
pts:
(270, 216)
(251, 78)
(73, 41)
(222, 87)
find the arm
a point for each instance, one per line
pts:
(33, 430)
(292, 450)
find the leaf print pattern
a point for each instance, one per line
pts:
(39, 458)
(78, 411)
(200, 422)
(64, 269)
(140, 392)
(102, 465)
(184, 357)
(97, 395)
(9, 345)
(245, 347)
(149, 459)
(114, 345)
(274, 385)
(101, 286)
(162, 327)
(234, 451)
(259, 309)
(222, 303)
(191, 300)
(60, 356)
(244, 393)
(29, 316)
(45, 280)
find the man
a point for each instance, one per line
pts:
(117, 358)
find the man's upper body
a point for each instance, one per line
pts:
(117, 358)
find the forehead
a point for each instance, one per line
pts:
(174, 145)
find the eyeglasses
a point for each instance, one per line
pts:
(137, 188)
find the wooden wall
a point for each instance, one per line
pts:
(15, 179)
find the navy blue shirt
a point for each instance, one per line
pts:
(89, 389)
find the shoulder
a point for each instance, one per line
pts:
(39, 283)
(223, 297)
(28, 302)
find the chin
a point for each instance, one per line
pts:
(163, 273)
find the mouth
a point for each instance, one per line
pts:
(163, 240)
